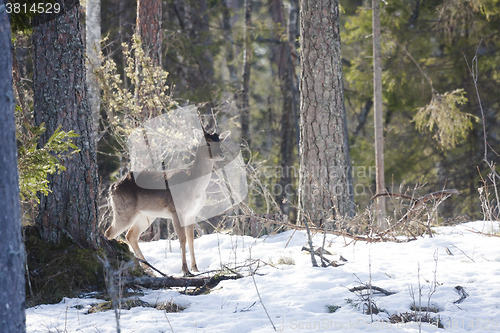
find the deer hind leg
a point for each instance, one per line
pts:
(181, 234)
(121, 222)
(190, 239)
(141, 223)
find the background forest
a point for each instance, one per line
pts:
(426, 48)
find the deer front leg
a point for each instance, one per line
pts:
(190, 240)
(181, 234)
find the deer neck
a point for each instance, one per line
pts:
(203, 166)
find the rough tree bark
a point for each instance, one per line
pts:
(148, 29)
(323, 178)
(148, 25)
(60, 98)
(377, 111)
(12, 289)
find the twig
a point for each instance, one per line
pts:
(474, 75)
(309, 239)
(171, 328)
(482, 233)
(260, 298)
(151, 266)
(463, 252)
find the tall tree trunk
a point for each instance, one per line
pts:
(293, 36)
(245, 88)
(148, 25)
(323, 180)
(12, 288)
(93, 46)
(60, 98)
(148, 29)
(377, 108)
(285, 73)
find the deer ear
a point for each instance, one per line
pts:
(223, 136)
(198, 134)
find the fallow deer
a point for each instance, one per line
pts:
(135, 207)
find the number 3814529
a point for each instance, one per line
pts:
(36, 8)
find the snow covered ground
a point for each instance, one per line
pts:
(296, 296)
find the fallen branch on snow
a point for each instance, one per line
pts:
(170, 282)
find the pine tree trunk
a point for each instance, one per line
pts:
(148, 28)
(12, 288)
(93, 48)
(149, 18)
(60, 98)
(323, 179)
(377, 111)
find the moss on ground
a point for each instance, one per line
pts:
(66, 270)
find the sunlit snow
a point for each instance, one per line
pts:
(296, 295)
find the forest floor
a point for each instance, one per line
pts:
(454, 278)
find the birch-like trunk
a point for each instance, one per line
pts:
(377, 107)
(245, 89)
(93, 48)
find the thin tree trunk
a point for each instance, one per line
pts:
(245, 89)
(377, 107)
(60, 98)
(323, 179)
(293, 35)
(285, 73)
(226, 25)
(93, 46)
(121, 13)
(12, 288)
